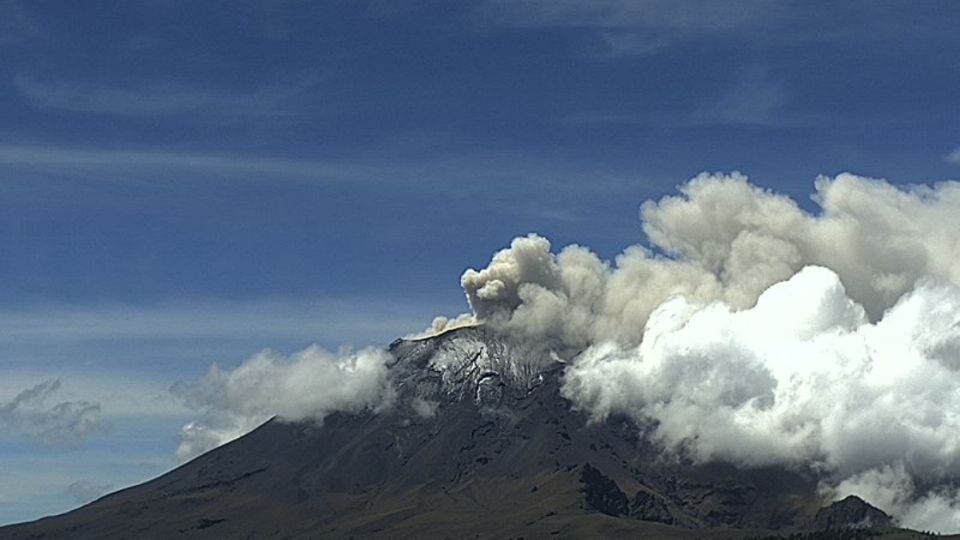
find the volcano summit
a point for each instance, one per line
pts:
(758, 369)
(480, 443)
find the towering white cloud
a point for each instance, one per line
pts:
(748, 330)
(755, 332)
(725, 239)
(801, 378)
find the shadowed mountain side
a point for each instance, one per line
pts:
(497, 454)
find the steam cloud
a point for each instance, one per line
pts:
(724, 239)
(801, 378)
(307, 385)
(34, 413)
(754, 332)
(748, 330)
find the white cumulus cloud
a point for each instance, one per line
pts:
(724, 239)
(801, 378)
(307, 385)
(748, 329)
(753, 331)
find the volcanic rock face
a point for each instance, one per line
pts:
(601, 493)
(849, 513)
(480, 443)
(648, 506)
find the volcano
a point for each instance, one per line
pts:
(479, 443)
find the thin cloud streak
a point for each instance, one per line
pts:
(754, 99)
(691, 15)
(626, 28)
(336, 321)
(47, 157)
(461, 173)
(159, 98)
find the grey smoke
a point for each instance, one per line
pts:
(747, 330)
(37, 414)
(724, 239)
(752, 331)
(424, 408)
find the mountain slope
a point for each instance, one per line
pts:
(479, 443)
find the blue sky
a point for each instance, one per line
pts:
(191, 182)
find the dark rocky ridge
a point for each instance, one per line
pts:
(849, 513)
(503, 456)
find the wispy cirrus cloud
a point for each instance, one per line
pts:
(99, 159)
(630, 27)
(328, 321)
(121, 178)
(754, 99)
(151, 98)
(751, 98)
(36, 413)
(616, 44)
(650, 14)
(463, 172)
